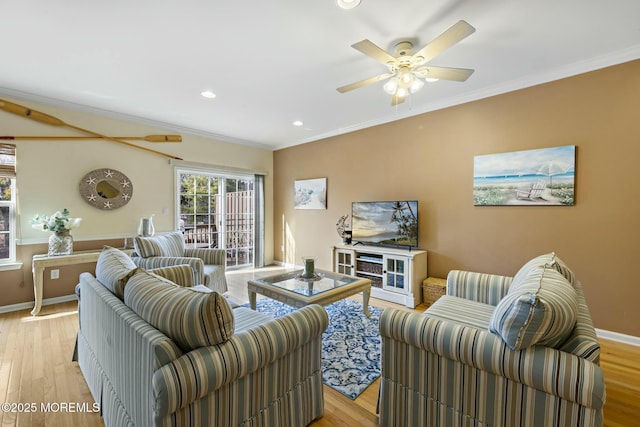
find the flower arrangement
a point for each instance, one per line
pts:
(58, 222)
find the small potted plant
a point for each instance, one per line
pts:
(60, 224)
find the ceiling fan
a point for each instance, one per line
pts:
(407, 71)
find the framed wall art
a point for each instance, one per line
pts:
(543, 176)
(310, 193)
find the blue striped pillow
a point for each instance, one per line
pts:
(190, 318)
(550, 260)
(541, 311)
(170, 245)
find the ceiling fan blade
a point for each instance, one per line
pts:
(453, 35)
(376, 52)
(395, 100)
(445, 73)
(364, 82)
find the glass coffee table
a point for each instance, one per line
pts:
(291, 289)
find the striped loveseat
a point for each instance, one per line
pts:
(157, 354)
(495, 351)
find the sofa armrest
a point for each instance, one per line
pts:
(551, 371)
(208, 255)
(480, 287)
(160, 261)
(206, 369)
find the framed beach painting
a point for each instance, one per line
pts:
(543, 176)
(310, 193)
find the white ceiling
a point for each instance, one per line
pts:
(273, 62)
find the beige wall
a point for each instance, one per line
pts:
(49, 174)
(430, 158)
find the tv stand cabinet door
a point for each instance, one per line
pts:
(396, 274)
(344, 261)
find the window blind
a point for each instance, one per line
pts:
(8, 160)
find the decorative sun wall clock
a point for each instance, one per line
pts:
(106, 189)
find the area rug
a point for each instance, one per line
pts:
(350, 345)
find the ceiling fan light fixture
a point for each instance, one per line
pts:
(402, 92)
(391, 86)
(348, 4)
(407, 78)
(416, 85)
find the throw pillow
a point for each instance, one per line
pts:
(113, 269)
(191, 319)
(169, 245)
(179, 274)
(550, 260)
(542, 311)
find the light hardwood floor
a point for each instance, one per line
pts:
(36, 372)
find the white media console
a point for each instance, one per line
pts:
(396, 274)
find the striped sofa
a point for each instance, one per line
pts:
(157, 354)
(495, 351)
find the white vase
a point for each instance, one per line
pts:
(146, 227)
(60, 244)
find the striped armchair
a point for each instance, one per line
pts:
(454, 366)
(208, 264)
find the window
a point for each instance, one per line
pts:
(218, 211)
(7, 203)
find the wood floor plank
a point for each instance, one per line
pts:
(36, 366)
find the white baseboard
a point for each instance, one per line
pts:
(617, 336)
(29, 305)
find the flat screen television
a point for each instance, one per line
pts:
(392, 223)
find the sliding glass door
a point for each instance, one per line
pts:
(218, 211)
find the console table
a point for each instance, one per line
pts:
(40, 262)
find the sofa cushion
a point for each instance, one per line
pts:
(181, 274)
(542, 310)
(169, 245)
(113, 269)
(190, 318)
(550, 260)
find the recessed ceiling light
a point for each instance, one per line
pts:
(208, 94)
(348, 4)
(298, 123)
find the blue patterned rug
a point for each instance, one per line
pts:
(350, 345)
